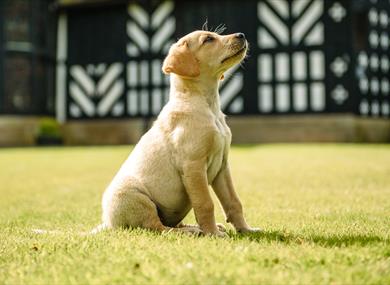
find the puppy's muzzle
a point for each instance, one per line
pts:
(240, 36)
(238, 47)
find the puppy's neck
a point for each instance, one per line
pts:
(187, 88)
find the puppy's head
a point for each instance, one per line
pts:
(203, 53)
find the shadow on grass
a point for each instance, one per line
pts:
(322, 240)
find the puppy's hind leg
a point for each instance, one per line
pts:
(135, 209)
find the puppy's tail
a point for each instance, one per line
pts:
(41, 232)
(98, 229)
(94, 231)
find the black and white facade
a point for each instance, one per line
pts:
(306, 56)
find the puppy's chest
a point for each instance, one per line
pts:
(219, 151)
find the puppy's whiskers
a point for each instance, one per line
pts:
(220, 29)
(205, 25)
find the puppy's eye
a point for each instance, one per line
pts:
(208, 39)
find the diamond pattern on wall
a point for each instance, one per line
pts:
(372, 63)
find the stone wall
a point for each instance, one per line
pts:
(22, 131)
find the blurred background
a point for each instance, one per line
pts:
(89, 71)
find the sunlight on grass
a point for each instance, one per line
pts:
(324, 210)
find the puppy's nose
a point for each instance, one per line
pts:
(240, 36)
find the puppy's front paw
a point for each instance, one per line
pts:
(219, 234)
(191, 230)
(221, 227)
(249, 230)
(216, 233)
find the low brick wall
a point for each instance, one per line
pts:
(248, 129)
(105, 132)
(22, 131)
(309, 128)
(18, 130)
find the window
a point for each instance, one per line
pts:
(27, 57)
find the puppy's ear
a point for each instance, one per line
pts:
(181, 61)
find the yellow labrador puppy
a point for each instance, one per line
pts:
(170, 169)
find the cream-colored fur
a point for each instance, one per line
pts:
(170, 169)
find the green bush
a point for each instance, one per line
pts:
(48, 127)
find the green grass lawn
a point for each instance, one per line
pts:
(325, 211)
